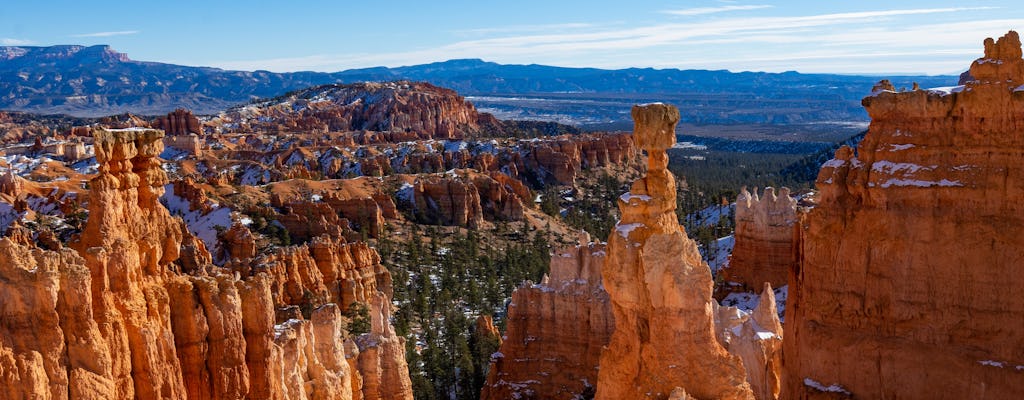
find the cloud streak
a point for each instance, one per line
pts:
(712, 10)
(104, 34)
(15, 42)
(881, 41)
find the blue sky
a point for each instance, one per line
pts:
(875, 37)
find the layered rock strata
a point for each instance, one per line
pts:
(117, 319)
(555, 331)
(905, 262)
(660, 290)
(764, 249)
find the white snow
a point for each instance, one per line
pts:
(891, 167)
(689, 145)
(624, 230)
(992, 363)
(405, 193)
(920, 183)
(946, 90)
(833, 163)
(748, 301)
(202, 226)
(626, 197)
(898, 147)
(834, 388)
(720, 258)
(710, 216)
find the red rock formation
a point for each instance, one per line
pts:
(660, 290)
(899, 292)
(239, 243)
(128, 242)
(52, 346)
(448, 200)
(564, 157)
(764, 249)
(208, 332)
(555, 331)
(402, 111)
(756, 337)
(381, 362)
(178, 122)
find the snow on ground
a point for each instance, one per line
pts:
(624, 230)
(202, 226)
(748, 301)
(835, 388)
(405, 193)
(709, 216)
(720, 253)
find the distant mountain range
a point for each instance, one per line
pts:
(97, 80)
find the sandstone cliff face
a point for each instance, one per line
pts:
(178, 122)
(555, 331)
(401, 111)
(563, 158)
(128, 242)
(898, 290)
(118, 318)
(660, 290)
(764, 239)
(51, 346)
(448, 200)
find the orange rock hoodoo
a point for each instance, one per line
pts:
(660, 290)
(905, 260)
(555, 331)
(764, 249)
(117, 320)
(178, 122)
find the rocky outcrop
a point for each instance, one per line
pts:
(764, 249)
(555, 331)
(124, 317)
(904, 262)
(756, 337)
(447, 200)
(128, 242)
(660, 290)
(399, 111)
(52, 347)
(467, 198)
(563, 158)
(178, 122)
(381, 358)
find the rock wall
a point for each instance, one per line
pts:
(555, 331)
(116, 318)
(909, 261)
(396, 111)
(764, 249)
(660, 290)
(178, 122)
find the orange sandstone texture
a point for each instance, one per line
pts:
(764, 239)
(117, 319)
(660, 290)
(910, 260)
(555, 331)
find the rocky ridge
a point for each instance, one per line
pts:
(894, 295)
(129, 324)
(764, 249)
(556, 330)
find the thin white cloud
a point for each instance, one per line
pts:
(712, 10)
(524, 28)
(104, 34)
(880, 41)
(15, 42)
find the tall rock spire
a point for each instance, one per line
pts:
(661, 290)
